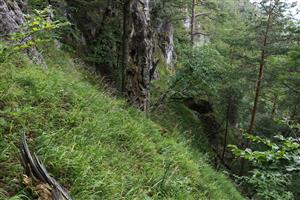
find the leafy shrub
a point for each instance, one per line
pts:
(35, 31)
(273, 166)
(202, 72)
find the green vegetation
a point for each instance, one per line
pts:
(274, 165)
(144, 99)
(97, 147)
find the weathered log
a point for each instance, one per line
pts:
(35, 169)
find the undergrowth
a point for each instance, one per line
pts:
(95, 145)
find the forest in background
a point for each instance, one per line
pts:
(222, 77)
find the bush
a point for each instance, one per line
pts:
(273, 166)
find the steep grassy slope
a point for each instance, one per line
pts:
(177, 117)
(96, 146)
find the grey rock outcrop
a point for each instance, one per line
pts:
(11, 21)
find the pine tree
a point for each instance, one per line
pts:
(270, 39)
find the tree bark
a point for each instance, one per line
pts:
(260, 75)
(141, 56)
(274, 106)
(125, 42)
(226, 129)
(12, 19)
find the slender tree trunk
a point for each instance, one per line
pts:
(226, 129)
(258, 85)
(274, 107)
(260, 75)
(125, 42)
(193, 22)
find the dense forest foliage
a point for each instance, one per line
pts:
(150, 99)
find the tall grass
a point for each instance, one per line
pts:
(96, 146)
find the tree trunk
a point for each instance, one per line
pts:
(125, 41)
(274, 106)
(141, 56)
(12, 19)
(193, 22)
(226, 128)
(260, 75)
(258, 86)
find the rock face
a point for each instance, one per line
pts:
(138, 73)
(23, 4)
(11, 17)
(104, 17)
(97, 31)
(166, 41)
(11, 20)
